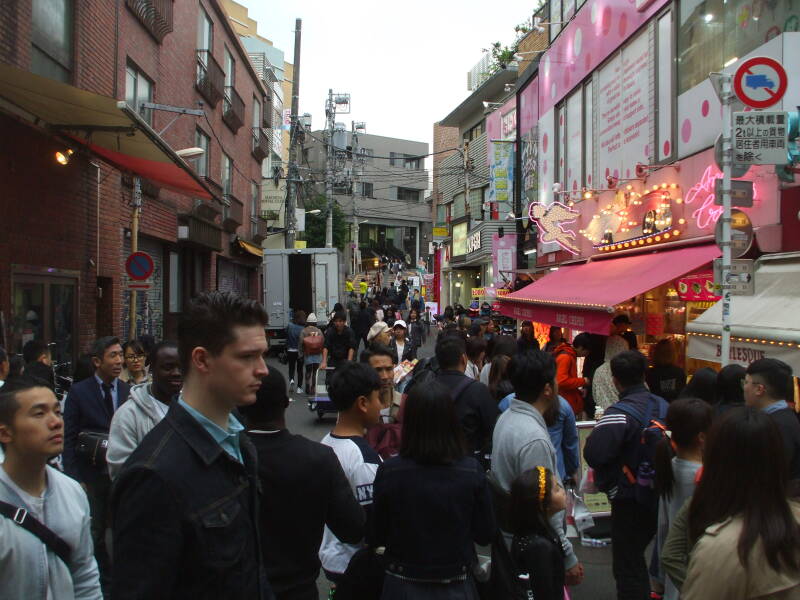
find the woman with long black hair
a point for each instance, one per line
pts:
(431, 504)
(746, 529)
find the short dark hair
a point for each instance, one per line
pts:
(432, 433)
(209, 322)
(376, 349)
(621, 319)
(158, 348)
(502, 344)
(449, 351)
(8, 395)
(775, 374)
(530, 372)
(350, 381)
(475, 346)
(729, 385)
(271, 400)
(582, 340)
(339, 316)
(527, 514)
(16, 365)
(629, 367)
(33, 349)
(102, 344)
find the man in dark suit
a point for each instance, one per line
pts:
(89, 407)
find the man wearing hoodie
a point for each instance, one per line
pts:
(148, 404)
(569, 383)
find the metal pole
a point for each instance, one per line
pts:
(293, 175)
(137, 208)
(467, 164)
(727, 159)
(331, 114)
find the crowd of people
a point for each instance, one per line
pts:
(181, 480)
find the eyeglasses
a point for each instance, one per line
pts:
(134, 357)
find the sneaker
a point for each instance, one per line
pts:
(291, 385)
(299, 390)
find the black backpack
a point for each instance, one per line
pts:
(641, 474)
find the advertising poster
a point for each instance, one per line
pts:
(597, 504)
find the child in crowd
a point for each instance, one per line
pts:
(355, 390)
(536, 496)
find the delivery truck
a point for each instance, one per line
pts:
(305, 279)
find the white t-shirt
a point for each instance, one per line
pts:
(360, 464)
(35, 506)
(400, 349)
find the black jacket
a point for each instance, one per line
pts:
(185, 518)
(542, 559)
(304, 490)
(476, 409)
(339, 344)
(786, 420)
(409, 350)
(85, 410)
(430, 517)
(524, 346)
(615, 439)
(666, 381)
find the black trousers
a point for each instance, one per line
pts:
(294, 358)
(632, 527)
(99, 495)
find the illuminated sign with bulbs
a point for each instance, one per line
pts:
(551, 220)
(634, 219)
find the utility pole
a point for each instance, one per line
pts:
(727, 163)
(137, 209)
(293, 176)
(467, 168)
(330, 114)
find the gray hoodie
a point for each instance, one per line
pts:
(132, 421)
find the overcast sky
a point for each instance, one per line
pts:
(404, 63)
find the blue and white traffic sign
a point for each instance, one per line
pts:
(760, 82)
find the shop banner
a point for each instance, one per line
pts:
(742, 353)
(579, 320)
(501, 184)
(697, 287)
(504, 258)
(437, 273)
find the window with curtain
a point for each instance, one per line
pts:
(52, 38)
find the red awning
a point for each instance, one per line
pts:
(583, 297)
(165, 174)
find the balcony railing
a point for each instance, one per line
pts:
(258, 230)
(155, 15)
(232, 214)
(210, 77)
(232, 109)
(261, 143)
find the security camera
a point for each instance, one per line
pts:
(556, 187)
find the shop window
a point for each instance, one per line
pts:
(52, 38)
(713, 33)
(458, 208)
(476, 199)
(44, 308)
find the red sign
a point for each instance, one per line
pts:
(760, 82)
(139, 266)
(698, 287)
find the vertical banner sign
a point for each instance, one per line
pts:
(504, 258)
(437, 273)
(502, 177)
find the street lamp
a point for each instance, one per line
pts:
(315, 211)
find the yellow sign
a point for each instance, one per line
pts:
(503, 292)
(441, 232)
(478, 292)
(460, 239)
(300, 244)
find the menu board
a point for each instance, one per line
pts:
(623, 105)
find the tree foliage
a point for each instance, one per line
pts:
(315, 224)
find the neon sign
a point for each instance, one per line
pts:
(701, 194)
(550, 220)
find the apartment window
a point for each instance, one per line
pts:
(201, 140)
(412, 164)
(205, 32)
(395, 158)
(367, 154)
(227, 175)
(138, 89)
(408, 194)
(255, 209)
(256, 112)
(555, 17)
(52, 38)
(475, 131)
(442, 213)
(367, 189)
(230, 69)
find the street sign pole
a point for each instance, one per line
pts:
(727, 165)
(137, 208)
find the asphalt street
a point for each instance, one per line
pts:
(598, 583)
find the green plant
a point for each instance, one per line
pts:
(315, 224)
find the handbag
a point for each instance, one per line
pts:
(92, 446)
(24, 519)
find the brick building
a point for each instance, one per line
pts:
(65, 229)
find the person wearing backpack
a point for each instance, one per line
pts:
(621, 450)
(476, 409)
(311, 343)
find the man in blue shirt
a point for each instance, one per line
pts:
(185, 504)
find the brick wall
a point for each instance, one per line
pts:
(444, 138)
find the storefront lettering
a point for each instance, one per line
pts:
(701, 195)
(572, 320)
(742, 354)
(474, 242)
